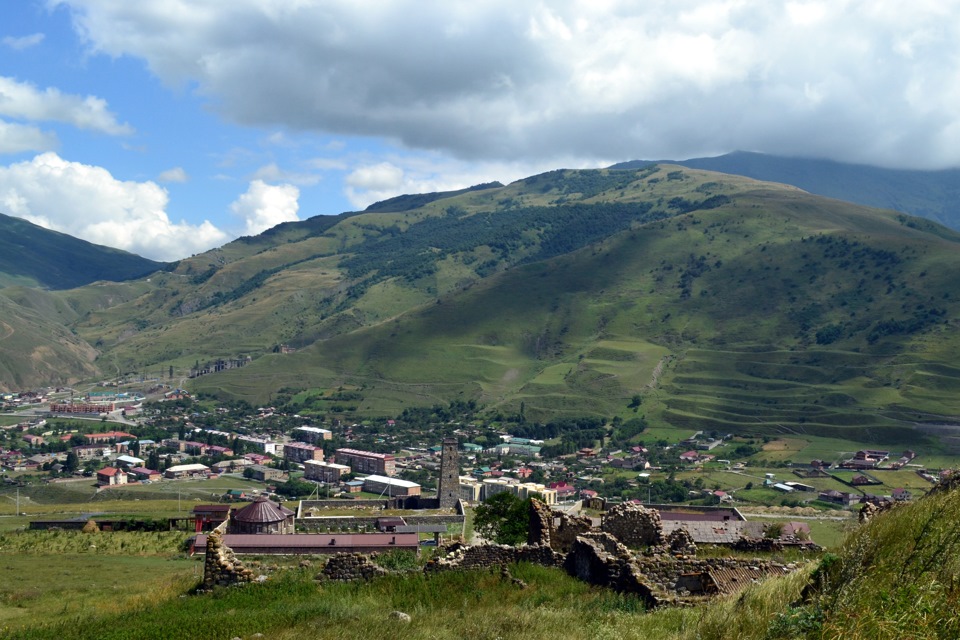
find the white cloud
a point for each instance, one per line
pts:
(264, 206)
(176, 174)
(430, 173)
(502, 81)
(23, 42)
(23, 100)
(89, 203)
(273, 173)
(17, 138)
(379, 176)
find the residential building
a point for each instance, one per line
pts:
(320, 471)
(109, 436)
(367, 461)
(262, 473)
(470, 489)
(300, 452)
(110, 476)
(312, 434)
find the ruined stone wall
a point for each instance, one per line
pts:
(221, 567)
(634, 525)
(680, 541)
(494, 555)
(758, 545)
(351, 566)
(674, 580)
(555, 529)
(600, 560)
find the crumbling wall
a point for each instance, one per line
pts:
(351, 566)
(758, 545)
(221, 567)
(681, 542)
(679, 579)
(494, 555)
(555, 529)
(590, 559)
(634, 525)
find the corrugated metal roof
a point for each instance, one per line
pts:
(705, 532)
(732, 579)
(324, 541)
(261, 510)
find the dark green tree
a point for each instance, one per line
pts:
(503, 518)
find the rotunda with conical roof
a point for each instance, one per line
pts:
(262, 516)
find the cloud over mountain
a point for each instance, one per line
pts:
(89, 203)
(870, 81)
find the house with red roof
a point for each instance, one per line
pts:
(111, 476)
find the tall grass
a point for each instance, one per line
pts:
(896, 577)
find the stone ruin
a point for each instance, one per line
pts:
(634, 525)
(667, 574)
(350, 566)
(555, 529)
(681, 542)
(221, 567)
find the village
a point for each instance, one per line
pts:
(113, 441)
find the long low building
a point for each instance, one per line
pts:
(383, 485)
(186, 470)
(313, 543)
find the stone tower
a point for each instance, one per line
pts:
(448, 488)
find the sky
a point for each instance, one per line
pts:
(169, 127)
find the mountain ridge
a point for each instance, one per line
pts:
(31, 255)
(721, 301)
(931, 194)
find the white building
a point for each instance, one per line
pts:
(312, 435)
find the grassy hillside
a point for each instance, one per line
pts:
(777, 311)
(33, 256)
(725, 303)
(930, 194)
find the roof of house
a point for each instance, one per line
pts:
(109, 471)
(262, 510)
(212, 508)
(188, 468)
(318, 541)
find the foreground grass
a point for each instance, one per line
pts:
(896, 577)
(452, 605)
(67, 586)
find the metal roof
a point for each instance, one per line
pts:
(324, 541)
(262, 510)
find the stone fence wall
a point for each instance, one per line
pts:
(325, 523)
(489, 556)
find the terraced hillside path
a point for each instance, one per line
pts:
(7, 331)
(658, 372)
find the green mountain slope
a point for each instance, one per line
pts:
(934, 195)
(725, 303)
(33, 256)
(773, 311)
(35, 348)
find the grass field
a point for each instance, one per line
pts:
(163, 499)
(449, 605)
